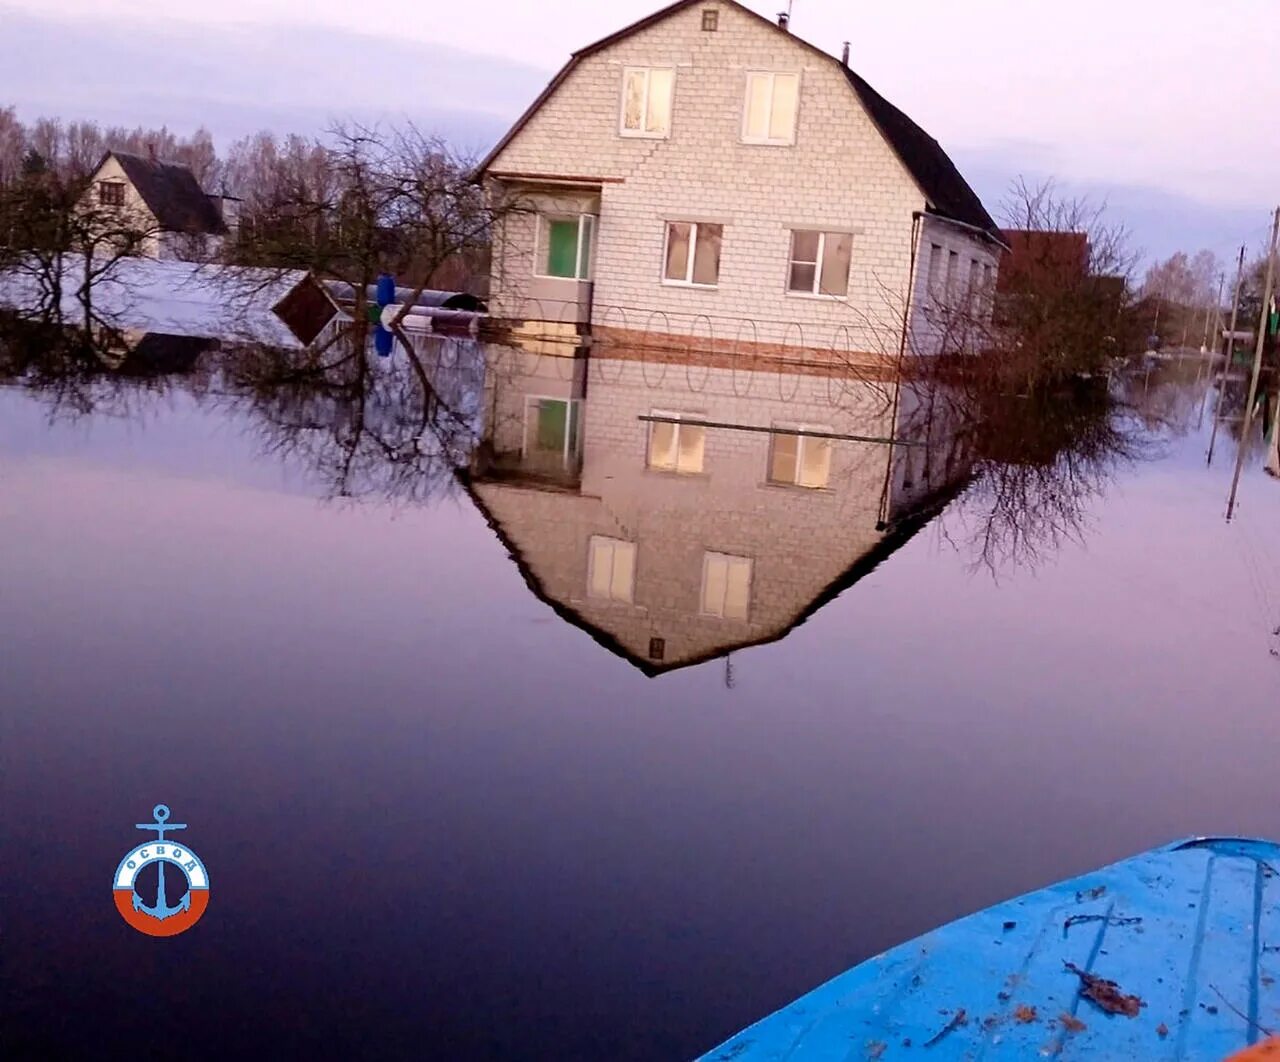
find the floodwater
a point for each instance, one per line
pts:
(591, 709)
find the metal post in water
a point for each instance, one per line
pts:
(1230, 344)
(1267, 291)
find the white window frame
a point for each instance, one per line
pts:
(695, 420)
(583, 269)
(573, 413)
(799, 431)
(817, 292)
(688, 282)
(772, 75)
(642, 133)
(707, 557)
(614, 543)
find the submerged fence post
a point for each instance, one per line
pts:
(1268, 290)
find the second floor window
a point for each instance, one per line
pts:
(111, 193)
(564, 246)
(820, 263)
(726, 586)
(772, 102)
(646, 101)
(611, 569)
(692, 253)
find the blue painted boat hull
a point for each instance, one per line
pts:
(1192, 930)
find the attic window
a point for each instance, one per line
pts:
(111, 193)
(710, 20)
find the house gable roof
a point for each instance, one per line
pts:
(171, 193)
(946, 191)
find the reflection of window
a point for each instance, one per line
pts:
(770, 116)
(801, 460)
(646, 102)
(726, 585)
(564, 245)
(551, 430)
(675, 446)
(611, 569)
(820, 262)
(702, 266)
(111, 193)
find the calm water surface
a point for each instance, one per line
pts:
(475, 774)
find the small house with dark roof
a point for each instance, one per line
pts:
(705, 172)
(164, 200)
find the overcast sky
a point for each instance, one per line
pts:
(1129, 98)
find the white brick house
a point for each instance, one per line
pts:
(705, 173)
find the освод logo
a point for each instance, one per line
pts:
(161, 919)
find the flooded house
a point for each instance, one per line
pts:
(706, 175)
(164, 200)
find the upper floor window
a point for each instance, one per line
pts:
(611, 569)
(564, 246)
(798, 459)
(770, 114)
(692, 253)
(726, 585)
(646, 101)
(820, 263)
(111, 193)
(675, 446)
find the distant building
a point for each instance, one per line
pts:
(165, 200)
(704, 173)
(1038, 260)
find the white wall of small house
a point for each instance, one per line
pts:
(840, 175)
(134, 206)
(932, 297)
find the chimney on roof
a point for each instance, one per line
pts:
(784, 20)
(151, 150)
(844, 55)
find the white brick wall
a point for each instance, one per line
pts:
(840, 174)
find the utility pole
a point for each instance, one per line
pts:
(1230, 344)
(1213, 311)
(1263, 321)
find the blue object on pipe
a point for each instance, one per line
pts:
(383, 341)
(386, 289)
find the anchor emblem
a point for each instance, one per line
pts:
(161, 919)
(161, 909)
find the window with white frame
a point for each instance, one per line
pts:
(797, 459)
(611, 569)
(692, 253)
(769, 115)
(675, 445)
(564, 245)
(820, 263)
(726, 586)
(647, 94)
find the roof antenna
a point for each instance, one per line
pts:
(784, 17)
(844, 56)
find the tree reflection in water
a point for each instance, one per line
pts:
(410, 428)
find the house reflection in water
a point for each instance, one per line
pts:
(679, 511)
